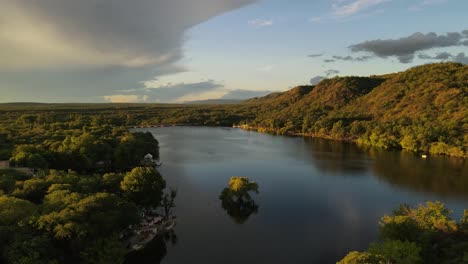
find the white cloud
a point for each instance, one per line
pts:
(349, 8)
(342, 9)
(266, 68)
(261, 22)
(122, 98)
(421, 5)
(179, 92)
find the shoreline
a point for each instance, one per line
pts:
(423, 154)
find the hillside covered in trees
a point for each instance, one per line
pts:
(424, 109)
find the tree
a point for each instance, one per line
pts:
(90, 218)
(32, 190)
(29, 156)
(133, 147)
(13, 211)
(356, 257)
(168, 202)
(111, 181)
(107, 250)
(240, 187)
(144, 186)
(396, 251)
(236, 199)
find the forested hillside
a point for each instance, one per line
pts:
(424, 109)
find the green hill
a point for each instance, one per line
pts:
(423, 109)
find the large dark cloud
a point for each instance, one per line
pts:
(405, 48)
(47, 46)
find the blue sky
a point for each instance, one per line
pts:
(182, 50)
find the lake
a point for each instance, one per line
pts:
(318, 199)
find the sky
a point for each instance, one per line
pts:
(173, 51)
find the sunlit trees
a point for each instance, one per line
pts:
(422, 234)
(144, 186)
(356, 257)
(236, 199)
(95, 216)
(239, 188)
(29, 156)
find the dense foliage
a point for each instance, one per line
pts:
(60, 216)
(425, 234)
(57, 215)
(424, 109)
(236, 199)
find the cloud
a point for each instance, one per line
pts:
(315, 80)
(122, 98)
(181, 92)
(439, 56)
(261, 22)
(315, 55)
(419, 6)
(54, 42)
(328, 60)
(244, 94)
(460, 57)
(405, 48)
(346, 8)
(328, 73)
(331, 72)
(266, 68)
(350, 58)
(168, 93)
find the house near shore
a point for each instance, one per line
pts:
(149, 161)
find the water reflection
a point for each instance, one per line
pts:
(154, 252)
(330, 195)
(436, 174)
(440, 175)
(336, 157)
(236, 200)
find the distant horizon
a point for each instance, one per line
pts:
(208, 99)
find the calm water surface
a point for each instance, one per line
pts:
(318, 199)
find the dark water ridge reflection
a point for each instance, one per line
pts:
(318, 199)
